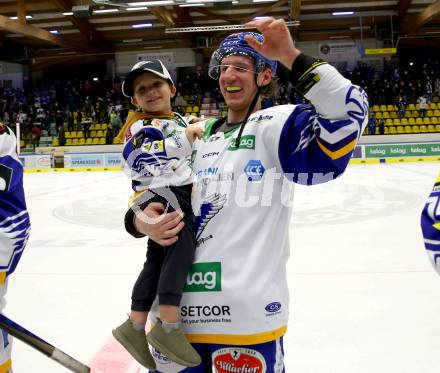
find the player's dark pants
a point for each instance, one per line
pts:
(166, 268)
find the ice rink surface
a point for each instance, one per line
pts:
(364, 297)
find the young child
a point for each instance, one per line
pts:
(156, 153)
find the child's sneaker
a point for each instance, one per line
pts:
(135, 342)
(173, 345)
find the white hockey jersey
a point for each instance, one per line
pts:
(236, 291)
(157, 152)
(14, 218)
(430, 223)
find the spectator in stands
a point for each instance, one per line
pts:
(6, 118)
(372, 124)
(35, 136)
(423, 103)
(178, 101)
(58, 118)
(437, 86)
(429, 91)
(109, 135)
(401, 104)
(381, 126)
(61, 136)
(69, 119)
(116, 123)
(87, 122)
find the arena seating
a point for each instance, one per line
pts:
(411, 122)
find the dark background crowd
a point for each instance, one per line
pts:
(57, 105)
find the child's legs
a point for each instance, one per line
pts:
(165, 365)
(145, 288)
(175, 268)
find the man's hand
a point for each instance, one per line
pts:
(278, 43)
(164, 232)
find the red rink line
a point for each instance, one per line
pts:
(112, 358)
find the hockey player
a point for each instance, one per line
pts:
(14, 226)
(236, 302)
(156, 153)
(431, 225)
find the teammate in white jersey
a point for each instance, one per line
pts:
(430, 223)
(156, 153)
(14, 226)
(236, 301)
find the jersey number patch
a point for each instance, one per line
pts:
(5, 178)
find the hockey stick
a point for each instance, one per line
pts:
(41, 345)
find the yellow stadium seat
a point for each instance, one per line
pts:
(408, 129)
(391, 108)
(437, 128)
(80, 134)
(396, 121)
(95, 141)
(404, 121)
(423, 128)
(431, 128)
(430, 113)
(102, 141)
(392, 130)
(99, 133)
(73, 134)
(400, 129)
(383, 108)
(68, 141)
(434, 120)
(92, 133)
(389, 122)
(74, 141)
(419, 121)
(92, 127)
(81, 141)
(67, 134)
(412, 121)
(416, 129)
(437, 113)
(415, 113)
(408, 114)
(375, 108)
(103, 126)
(432, 106)
(97, 126)
(379, 115)
(196, 109)
(411, 107)
(426, 120)
(89, 141)
(55, 142)
(393, 114)
(386, 114)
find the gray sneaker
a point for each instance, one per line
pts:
(174, 346)
(135, 342)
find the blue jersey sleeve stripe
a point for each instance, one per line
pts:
(341, 152)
